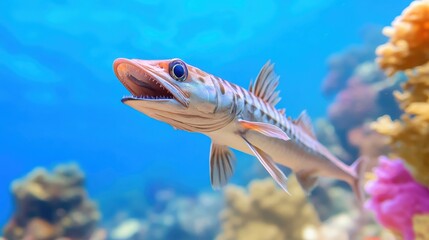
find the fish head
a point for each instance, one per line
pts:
(173, 92)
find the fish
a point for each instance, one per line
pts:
(247, 120)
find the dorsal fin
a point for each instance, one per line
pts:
(265, 84)
(304, 122)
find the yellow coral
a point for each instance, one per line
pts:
(421, 226)
(409, 39)
(409, 137)
(408, 50)
(266, 212)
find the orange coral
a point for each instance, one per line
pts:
(409, 39)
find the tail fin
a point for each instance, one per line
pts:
(358, 168)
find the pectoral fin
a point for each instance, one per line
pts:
(222, 162)
(259, 134)
(268, 130)
(269, 165)
(307, 180)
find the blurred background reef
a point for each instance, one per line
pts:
(377, 106)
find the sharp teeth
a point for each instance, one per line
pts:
(148, 79)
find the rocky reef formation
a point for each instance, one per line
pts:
(370, 90)
(364, 94)
(51, 206)
(180, 217)
(263, 211)
(342, 66)
(266, 212)
(409, 136)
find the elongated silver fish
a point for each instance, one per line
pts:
(190, 99)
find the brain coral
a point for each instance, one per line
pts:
(266, 212)
(409, 39)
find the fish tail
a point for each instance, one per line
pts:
(358, 169)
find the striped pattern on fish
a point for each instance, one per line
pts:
(190, 99)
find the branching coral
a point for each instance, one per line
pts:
(189, 217)
(50, 206)
(366, 96)
(409, 39)
(396, 198)
(409, 137)
(268, 213)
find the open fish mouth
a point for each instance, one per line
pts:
(145, 83)
(145, 87)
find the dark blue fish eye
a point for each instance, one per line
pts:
(178, 70)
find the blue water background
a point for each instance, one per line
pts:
(60, 101)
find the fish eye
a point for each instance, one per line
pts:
(178, 70)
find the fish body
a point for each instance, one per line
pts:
(246, 120)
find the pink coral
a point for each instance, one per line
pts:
(396, 197)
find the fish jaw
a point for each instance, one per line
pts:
(149, 84)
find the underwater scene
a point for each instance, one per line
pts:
(225, 120)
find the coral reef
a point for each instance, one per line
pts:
(363, 93)
(370, 143)
(399, 200)
(347, 226)
(353, 106)
(53, 205)
(361, 101)
(362, 98)
(181, 218)
(421, 226)
(410, 135)
(128, 229)
(342, 218)
(396, 197)
(266, 212)
(341, 68)
(325, 133)
(343, 65)
(408, 46)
